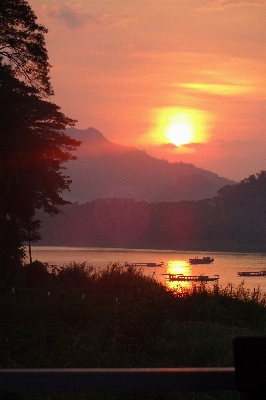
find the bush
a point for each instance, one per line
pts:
(36, 274)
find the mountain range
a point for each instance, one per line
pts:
(104, 169)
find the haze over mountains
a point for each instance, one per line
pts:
(107, 170)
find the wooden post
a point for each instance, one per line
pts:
(30, 253)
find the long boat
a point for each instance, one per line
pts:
(142, 264)
(203, 260)
(252, 273)
(189, 278)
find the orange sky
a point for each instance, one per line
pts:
(131, 68)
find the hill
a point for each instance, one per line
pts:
(108, 170)
(234, 220)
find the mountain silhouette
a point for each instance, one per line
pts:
(104, 169)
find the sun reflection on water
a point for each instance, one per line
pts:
(178, 267)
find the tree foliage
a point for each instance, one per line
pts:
(32, 148)
(22, 44)
(33, 145)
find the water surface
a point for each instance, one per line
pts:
(226, 265)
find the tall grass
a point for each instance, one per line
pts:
(78, 316)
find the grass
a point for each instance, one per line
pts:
(77, 317)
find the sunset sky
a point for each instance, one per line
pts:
(156, 73)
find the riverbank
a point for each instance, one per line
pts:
(76, 317)
(226, 265)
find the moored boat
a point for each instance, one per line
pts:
(189, 278)
(252, 273)
(140, 264)
(203, 260)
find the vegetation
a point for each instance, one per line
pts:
(33, 146)
(22, 45)
(78, 316)
(234, 220)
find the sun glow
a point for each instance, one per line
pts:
(180, 132)
(179, 126)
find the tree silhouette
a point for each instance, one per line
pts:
(22, 44)
(33, 145)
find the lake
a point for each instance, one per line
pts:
(226, 265)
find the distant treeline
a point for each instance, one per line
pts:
(234, 220)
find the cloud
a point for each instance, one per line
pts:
(168, 145)
(172, 146)
(73, 18)
(194, 145)
(221, 4)
(123, 21)
(218, 89)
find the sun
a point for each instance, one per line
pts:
(179, 128)
(180, 133)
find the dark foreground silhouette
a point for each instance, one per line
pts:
(78, 317)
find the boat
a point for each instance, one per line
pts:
(142, 264)
(191, 278)
(252, 273)
(203, 260)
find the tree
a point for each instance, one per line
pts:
(33, 145)
(22, 45)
